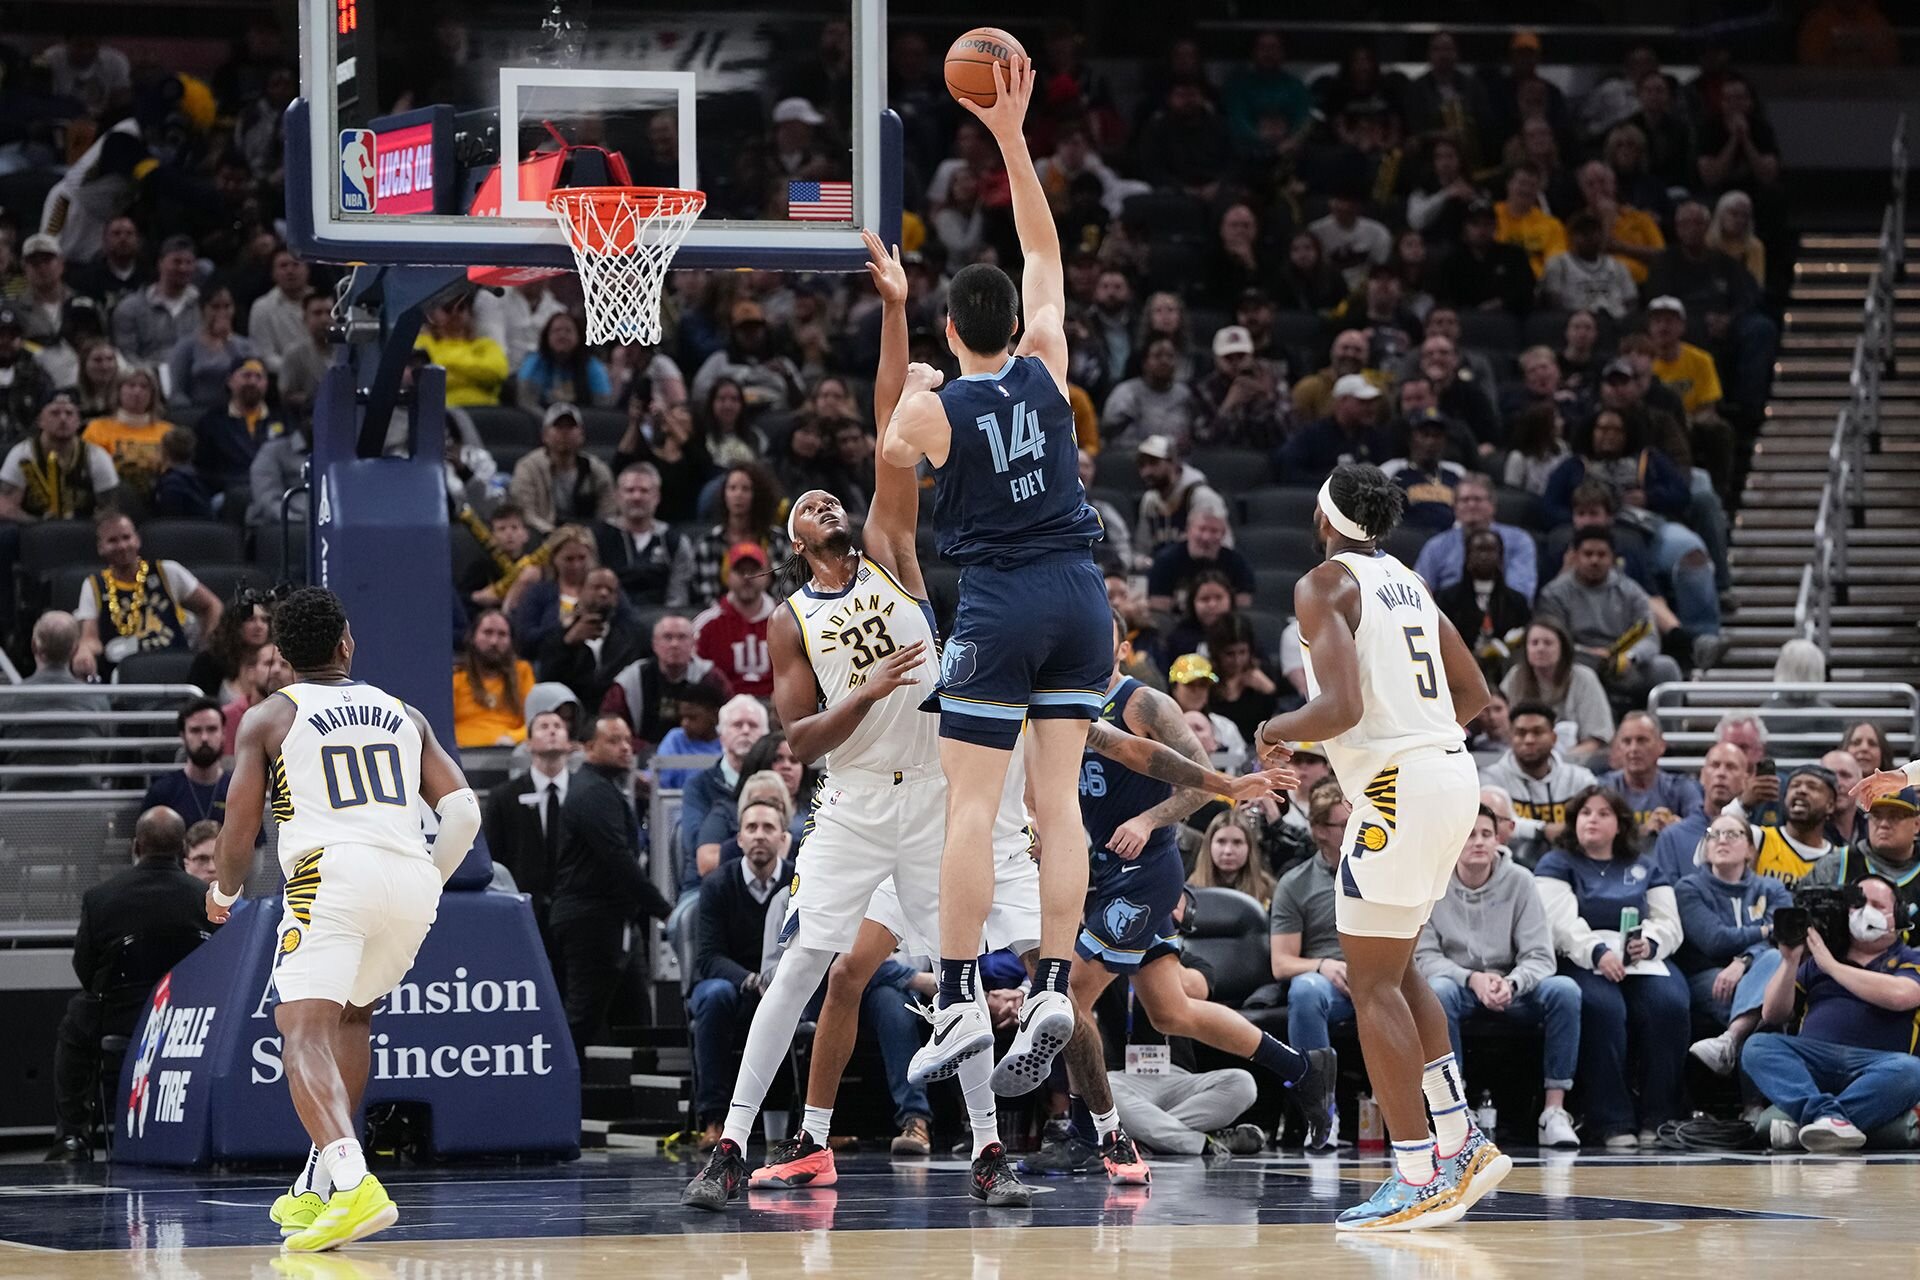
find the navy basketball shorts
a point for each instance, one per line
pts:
(1129, 920)
(1032, 640)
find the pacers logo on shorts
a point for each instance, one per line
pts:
(1372, 838)
(289, 942)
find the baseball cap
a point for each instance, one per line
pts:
(1160, 447)
(1667, 302)
(242, 362)
(1313, 749)
(796, 110)
(41, 243)
(560, 409)
(1355, 385)
(1618, 369)
(1191, 669)
(1819, 774)
(1427, 420)
(1234, 340)
(1906, 799)
(740, 551)
(1254, 296)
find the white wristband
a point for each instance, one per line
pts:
(1912, 769)
(222, 899)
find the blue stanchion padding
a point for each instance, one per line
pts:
(475, 1033)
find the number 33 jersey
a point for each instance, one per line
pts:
(847, 635)
(348, 773)
(1404, 699)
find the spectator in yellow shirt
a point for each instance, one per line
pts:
(133, 431)
(1520, 219)
(476, 366)
(489, 684)
(1632, 236)
(1688, 370)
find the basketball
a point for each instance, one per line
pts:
(970, 63)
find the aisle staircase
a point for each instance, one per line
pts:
(1781, 567)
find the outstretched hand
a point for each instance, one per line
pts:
(1013, 84)
(900, 667)
(889, 276)
(1260, 786)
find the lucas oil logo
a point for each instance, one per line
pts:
(358, 148)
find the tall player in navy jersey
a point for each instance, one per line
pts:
(1032, 637)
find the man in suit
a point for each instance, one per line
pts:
(153, 896)
(730, 942)
(523, 819)
(600, 884)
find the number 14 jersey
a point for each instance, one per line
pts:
(1404, 699)
(348, 773)
(847, 634)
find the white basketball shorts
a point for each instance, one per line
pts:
(1014, 922)
(861, 833)
(354, 919)
(1406, 832)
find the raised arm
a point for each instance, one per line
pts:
(894, 517)
(1043, 285)
(919, 427)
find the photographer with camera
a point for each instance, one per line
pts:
(1850, 1067)
(1727, 912)
(1893, 823)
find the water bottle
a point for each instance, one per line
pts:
(1485, 1115)
(1373, 1133)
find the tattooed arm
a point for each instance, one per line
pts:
(1161, 746)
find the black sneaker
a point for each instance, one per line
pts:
(1315, 1095)
(1240, 1140)
(1061, 1153)
(720, 1181)
(994, 1182)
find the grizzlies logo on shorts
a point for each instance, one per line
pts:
(1122, 917)
(957, 662)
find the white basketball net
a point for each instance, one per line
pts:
(624, 239)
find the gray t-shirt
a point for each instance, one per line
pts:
(1303, 904)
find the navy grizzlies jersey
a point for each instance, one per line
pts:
(1111, 793)
(1010, 490)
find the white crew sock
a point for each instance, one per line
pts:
(1105, 1122)
(342, 1164)
(818, 1122)
(976, 1083)
(1415, 1161)
(1447, 1100)
(771, 1035)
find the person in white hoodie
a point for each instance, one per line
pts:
(1487, 952)
(1537, 779)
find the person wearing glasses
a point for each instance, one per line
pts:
(1726, 911)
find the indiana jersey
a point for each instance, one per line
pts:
(1404, 699)
(348, 772)
(1010, 490)
(1111, 794)
(1784, 859)
(846, 633)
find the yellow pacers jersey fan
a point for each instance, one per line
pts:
(348, 773)
(1404, 696)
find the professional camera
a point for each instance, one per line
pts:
(1823, 909)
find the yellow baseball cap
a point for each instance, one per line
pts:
(1191, 669)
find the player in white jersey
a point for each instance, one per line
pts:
(1390, 686)
(345, 767)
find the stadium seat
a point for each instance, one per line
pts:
(1405, 543)
(192, 542)
(46, 545)
(1115, 468)
(1265, 544)
(1177, 265)
(234, 502)
(604, 429)
(1546, 327)
(1232, 470)
(64, 582)
(1516, 507)
(1279, 506)
(1496, 334)
(1162, 214)
(1228, 931)
(281, 558)
(225, 580)
(166, 666)
(1292, 553)
(1273, 586)
(507, 457)
(505, 424)
(1304, 330)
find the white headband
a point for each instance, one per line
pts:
(792, 511)
(1343, 524)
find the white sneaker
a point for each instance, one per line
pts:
(1783, 1135)
(1718, 1054)
(1624, 1142)
(1831, 1133)
(959, 1031)
(1556, 1128)
(1045, 1026)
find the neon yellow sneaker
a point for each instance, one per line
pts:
(352, 1214)
(293, 1213)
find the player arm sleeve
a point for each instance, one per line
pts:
(459, 813)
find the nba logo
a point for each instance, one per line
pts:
(357, 152)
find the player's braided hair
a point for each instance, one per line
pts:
(307, 626)
(1371, 500)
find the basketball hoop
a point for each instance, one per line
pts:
(624, 239)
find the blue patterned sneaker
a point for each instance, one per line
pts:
(1476, 1168)
(1400, 1205)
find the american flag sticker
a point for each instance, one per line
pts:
(820, 201)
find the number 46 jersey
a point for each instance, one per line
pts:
(1404, 699)
(846, 634)
(348, 773)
